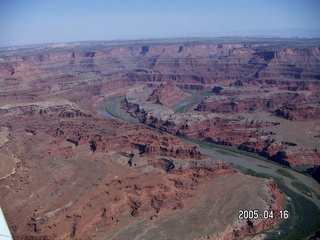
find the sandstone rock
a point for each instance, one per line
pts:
(167, 95)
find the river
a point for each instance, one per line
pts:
(254, 164)
(261, 166)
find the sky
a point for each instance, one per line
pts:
(25, 22)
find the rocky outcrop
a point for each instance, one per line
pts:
(63, 111)
(230, 101)
(293, 112)
(148, 143)
(237, 105)
(170, 150)
(308, 157)
(167, 95)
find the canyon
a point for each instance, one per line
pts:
(70, 169)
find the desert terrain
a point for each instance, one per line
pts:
(112, 140)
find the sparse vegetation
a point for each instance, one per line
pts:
(285, 173)
(302, 188)
(234, 152)
(228, 150)
(255, 174)
(301, 169)
(222, 151)
(263, 166)
(304, 217)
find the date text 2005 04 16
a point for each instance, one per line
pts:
(266, 214)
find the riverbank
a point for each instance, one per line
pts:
(304, 209)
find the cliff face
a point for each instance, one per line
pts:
(292, 112)
(235, 101)
(213, 62)
(309, 157)
(102, 70)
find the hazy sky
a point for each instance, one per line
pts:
(44, 21)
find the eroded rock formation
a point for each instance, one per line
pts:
(167, 95)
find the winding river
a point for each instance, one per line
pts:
(261, 166)
(254, 164)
